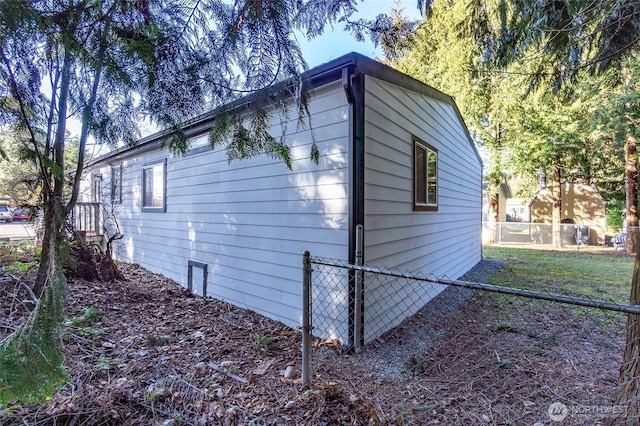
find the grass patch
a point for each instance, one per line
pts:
(89, 316)
(265, 343)
(18, 267)
(597, 276)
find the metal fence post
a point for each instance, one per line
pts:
(306, 318)
(359, 278)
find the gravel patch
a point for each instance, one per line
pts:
(392, 354)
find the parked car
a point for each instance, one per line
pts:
(5, 214)
(20, 214)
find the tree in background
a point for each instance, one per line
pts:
(546, 131)
(108, 64)
(19, 176)
(559, 40)
(523, 129)
(441, 54)
(615, 123)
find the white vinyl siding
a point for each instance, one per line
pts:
(445, 243)
(250, 221)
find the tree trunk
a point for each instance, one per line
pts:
(54, 210)
(494, 206)
(631, 189)
(493, 189)
(627, 397)
(86, 115)
(557, 206)
(494, 202)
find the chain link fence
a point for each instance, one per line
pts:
(570, 235)
(464, 352)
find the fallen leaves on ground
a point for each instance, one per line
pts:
(144, 351)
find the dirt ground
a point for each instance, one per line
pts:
(143, 351)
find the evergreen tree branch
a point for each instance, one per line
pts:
(25, 118)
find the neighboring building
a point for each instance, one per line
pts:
(396, 157)
(518, 209)
(504, 194)
(489, 227)
(582, 205)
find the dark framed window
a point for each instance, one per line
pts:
(153, 186)
(116, 183)
(425, 180)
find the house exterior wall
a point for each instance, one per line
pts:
(518, 209)
(250, 220)
(581, 203)
(446, 242)
(502, 204)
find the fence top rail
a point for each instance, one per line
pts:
(558, 298)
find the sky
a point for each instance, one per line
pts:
(336, 42)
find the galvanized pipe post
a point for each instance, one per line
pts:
(306, 318)
(359, 278)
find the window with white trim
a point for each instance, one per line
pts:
(199, 141)
(96, 187)
(425, 181)
(198, 144)
(153, 186)
(116, 183)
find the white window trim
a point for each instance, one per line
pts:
(116, 183)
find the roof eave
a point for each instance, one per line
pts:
(316, 77)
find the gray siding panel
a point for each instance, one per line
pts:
(444, 243)
(249, 220)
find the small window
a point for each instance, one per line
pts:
(153, 186)
(426, 176)
(199, 141)
(116, 184)
(96, 188)
(199, 144)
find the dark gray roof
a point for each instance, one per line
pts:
(315, 77)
